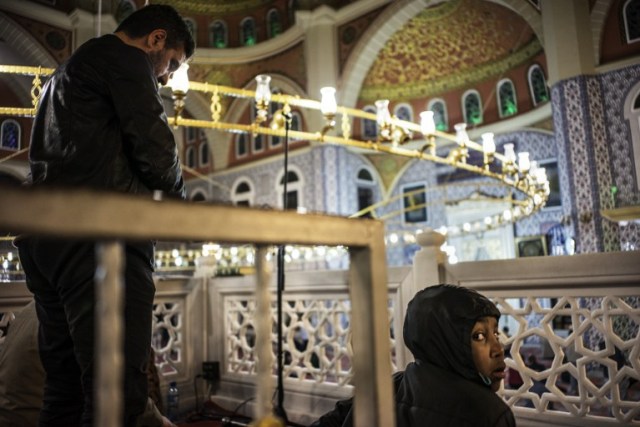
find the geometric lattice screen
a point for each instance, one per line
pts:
(316, 332)
(574, 355)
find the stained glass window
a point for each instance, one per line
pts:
(273, 20)
(248, 35)
(507, 98)
(440, 117)
(538, 85)
(472, 108)
(218, 37)
(10, 134)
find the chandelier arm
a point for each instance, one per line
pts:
(531, 184)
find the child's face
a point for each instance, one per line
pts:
(487, 351)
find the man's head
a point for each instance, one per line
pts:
(161, 32)
(456, 329)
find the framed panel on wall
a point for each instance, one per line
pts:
(531, 246)
(414, 203)
(555, 198)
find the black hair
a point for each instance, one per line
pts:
(156, 16)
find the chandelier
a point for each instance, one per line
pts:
(526, 183)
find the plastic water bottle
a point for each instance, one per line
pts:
(173, 401)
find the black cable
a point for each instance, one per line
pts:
(279, 407)
(229, 421)
(195, 390)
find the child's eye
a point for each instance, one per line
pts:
(478, 336)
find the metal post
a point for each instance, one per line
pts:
(263, 323)
(109, 334)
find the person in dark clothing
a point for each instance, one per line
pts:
(22, 377)
(100, 125)
(459, 364)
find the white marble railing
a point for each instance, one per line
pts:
(579, 316)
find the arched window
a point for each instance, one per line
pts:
(204, 153)
(242, 193)
(632, 115)
(404, 112)
(472, 107)
(296, 121)
(274, 23)
(294, 189)
(257, 138)
(192, 134)
(10, 135)
(365, 189)
(631, 13)
(191, 157)
(507, 103)
(241, 145)
(274, 140)
(440, 116)
(369, 127)
(248, 35)
(538, 85)
(218, 34)
(193, 28)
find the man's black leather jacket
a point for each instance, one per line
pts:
(101, 124)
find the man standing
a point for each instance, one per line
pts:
(101, 125)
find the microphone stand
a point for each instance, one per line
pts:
(279, 408)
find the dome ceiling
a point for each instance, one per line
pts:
(455, 44)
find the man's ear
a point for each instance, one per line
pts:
(156, 39)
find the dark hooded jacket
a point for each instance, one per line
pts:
(101, 124)
(442, 388)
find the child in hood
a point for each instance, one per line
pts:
(459, 364)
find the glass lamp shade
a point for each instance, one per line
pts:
(509, 153)
(263, 92)
(461, 133)
(427, 124)
(382, 114)
(488, 144)
(524, 164)
(328, 105)
(179, 81)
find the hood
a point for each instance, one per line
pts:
(438, 324)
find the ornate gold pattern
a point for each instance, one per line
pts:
(219, 7)
(456, 44)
